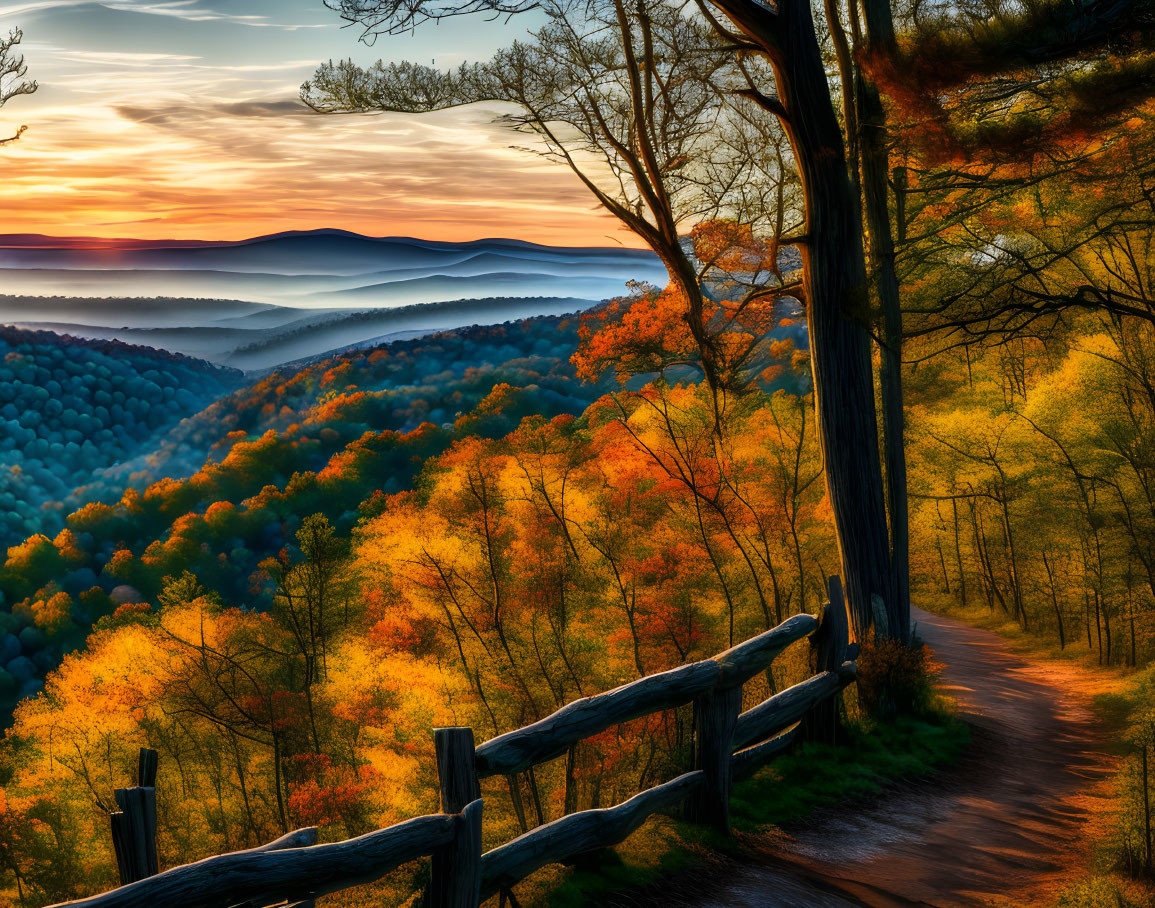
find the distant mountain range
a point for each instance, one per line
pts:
(256, 337)
(319, 268)
(254, 304)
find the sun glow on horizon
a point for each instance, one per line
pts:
(148, 130)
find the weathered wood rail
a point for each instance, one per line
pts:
(728, 744)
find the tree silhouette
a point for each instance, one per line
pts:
(12, 72)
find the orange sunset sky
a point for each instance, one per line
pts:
(180, 120)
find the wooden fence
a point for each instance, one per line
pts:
(728, 744)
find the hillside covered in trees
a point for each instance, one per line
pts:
(907, 339)
(228, 486)
(73, 410)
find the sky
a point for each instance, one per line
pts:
(179, 119)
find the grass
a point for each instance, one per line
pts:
(1106, 884)
(874, 756)
(788, 791)
(661, 849)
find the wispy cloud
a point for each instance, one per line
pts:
(158, 131)
(118, 58)
(178, 9)
(23, 9)
(234, 169)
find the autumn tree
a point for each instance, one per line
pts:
(312, 603)
(634, 101)
(763, 45)
(1028, 161)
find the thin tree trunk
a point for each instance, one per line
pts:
(249, 821)
(1055, 600)
(1016, 586)
(1107, 630)
(570, 782)
(1099, 625)
(1146, 812)
(875, 195)
(942, 564)
(536, 795)
(278, 784)
(515, 797)
(991, 579)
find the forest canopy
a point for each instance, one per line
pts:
(907, 338)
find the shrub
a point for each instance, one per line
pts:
(896, 679)
(1095, 892)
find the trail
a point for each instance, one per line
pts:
(1006, 827)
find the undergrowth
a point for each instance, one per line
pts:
(872, 757)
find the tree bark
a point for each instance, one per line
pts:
(835, 286)
(875, 190)
(1055, 600)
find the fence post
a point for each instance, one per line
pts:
(456, 769)
(134, 828)
(828, 650)
(715, 716)
(455, 871)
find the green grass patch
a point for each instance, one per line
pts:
(873, 756)
(661, 849)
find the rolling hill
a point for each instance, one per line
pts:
(259, 303)
(307, 268)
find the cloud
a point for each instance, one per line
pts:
(144, 115)
(132, 221)
(115, 58)
(187, 116)
(230, 169)
(269, 67)
(195, 132)
(177, 9)
(262, 108)
(22, 9)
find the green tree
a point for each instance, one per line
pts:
(312, 604)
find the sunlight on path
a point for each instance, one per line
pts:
(1005, 827)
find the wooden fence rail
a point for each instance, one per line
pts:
(556, 733)
(728, 745)
(579, 833)
(269, 876)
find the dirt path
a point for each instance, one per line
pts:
(1004, 828)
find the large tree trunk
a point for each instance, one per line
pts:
(838, 310)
